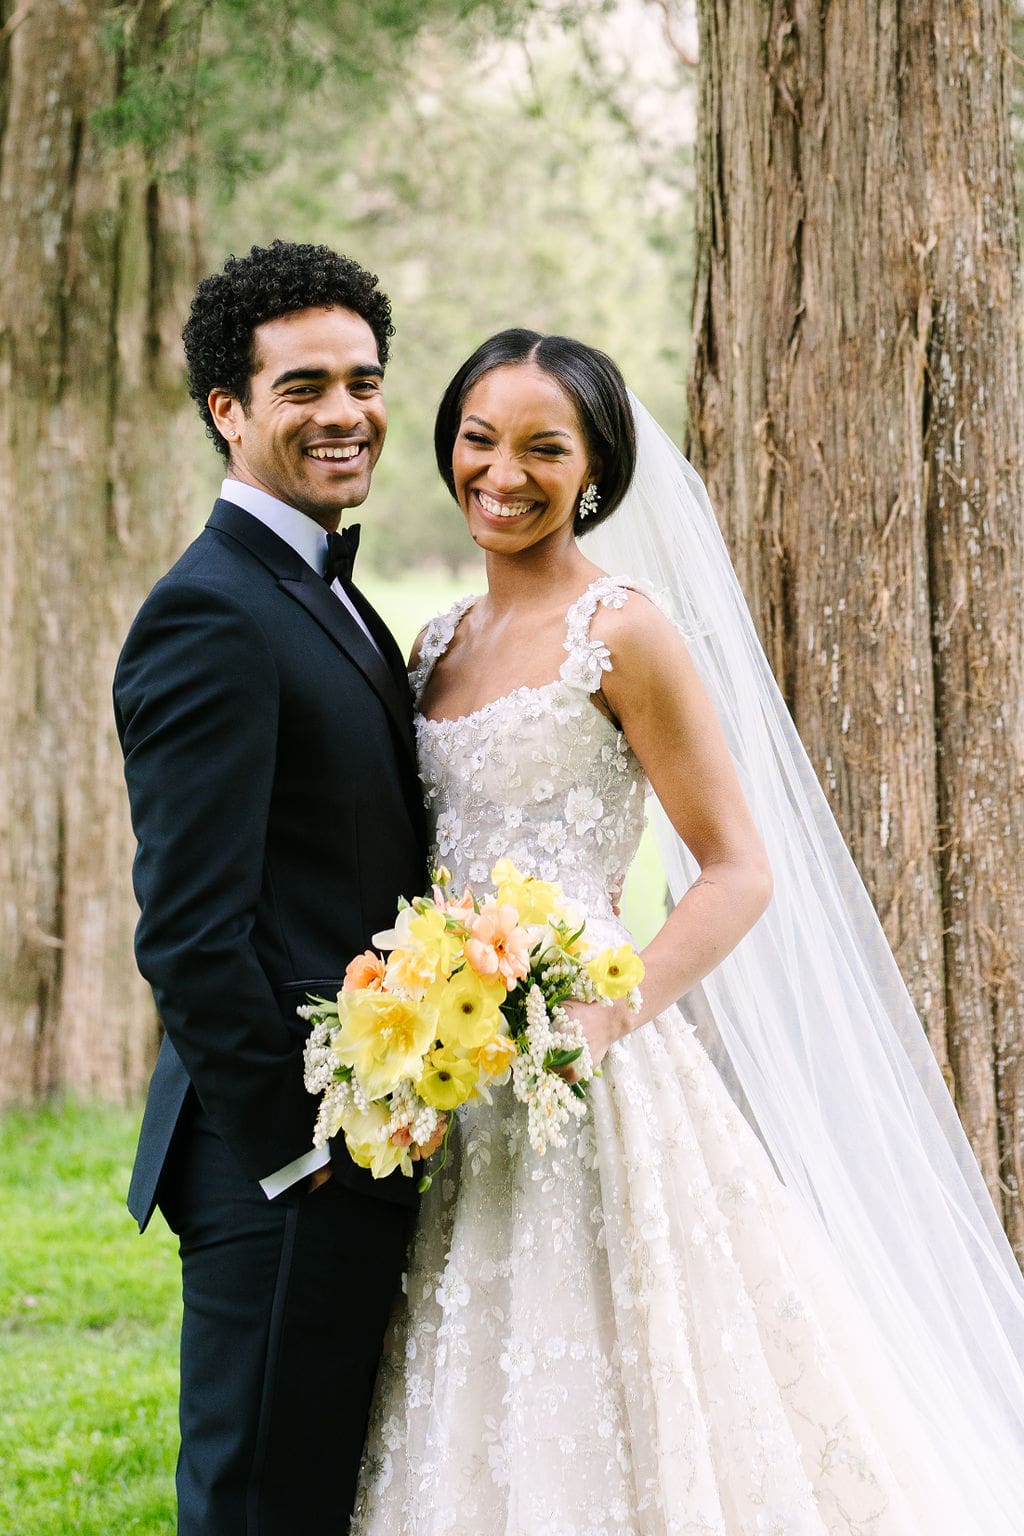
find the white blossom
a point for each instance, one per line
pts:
(583, 810)
(550, 836)
(449, 832)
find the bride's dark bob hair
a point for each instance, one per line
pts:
(590, 379)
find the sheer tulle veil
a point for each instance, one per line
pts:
(816, 1035)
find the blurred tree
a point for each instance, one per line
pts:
(855, 405)
(97, 257)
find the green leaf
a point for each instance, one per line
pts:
(561, 1058)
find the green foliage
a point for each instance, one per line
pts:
(204, 85)
(493, 188)
(88, 1333)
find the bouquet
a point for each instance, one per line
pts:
(466, 994)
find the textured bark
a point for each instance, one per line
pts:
(94, 255)
(855, 407)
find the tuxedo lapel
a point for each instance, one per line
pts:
(301, 583)
(383, 636)
(331, 614)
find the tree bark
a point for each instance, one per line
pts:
(855, 408)
(97, 258)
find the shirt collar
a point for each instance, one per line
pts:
(305, 536)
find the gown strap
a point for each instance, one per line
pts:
(437, 637)
(589, 659)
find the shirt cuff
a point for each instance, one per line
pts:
(299, 1168)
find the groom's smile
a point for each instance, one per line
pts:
(312, 429)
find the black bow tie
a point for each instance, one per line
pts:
(341, 554)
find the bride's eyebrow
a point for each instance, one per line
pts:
(548, 432)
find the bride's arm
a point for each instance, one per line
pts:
(656, 696)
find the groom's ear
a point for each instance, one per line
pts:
(225, 410)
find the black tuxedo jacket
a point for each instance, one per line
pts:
(271, 770)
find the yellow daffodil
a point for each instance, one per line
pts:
(534, 900)
(495, 1057)
(468, 1008)
(431, 931)
(383, 1038)
(615, 972)
(367, 1141)
(429, 951)
(448, 1080)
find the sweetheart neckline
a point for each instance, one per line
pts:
(459, 610)
(522, 691)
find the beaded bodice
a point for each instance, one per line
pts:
(539, 775)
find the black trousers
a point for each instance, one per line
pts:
(285, 1306)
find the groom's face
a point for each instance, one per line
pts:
(315, 423)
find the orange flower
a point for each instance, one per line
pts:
(365, 973)
(497, 946)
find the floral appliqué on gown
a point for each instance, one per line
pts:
(641, 1334)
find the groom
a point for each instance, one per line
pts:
(265, 719)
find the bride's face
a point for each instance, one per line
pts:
(520, 459)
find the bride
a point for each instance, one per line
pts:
(763, 1293)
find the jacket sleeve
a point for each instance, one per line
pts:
(196, 697)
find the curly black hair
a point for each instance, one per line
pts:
(592, 382)
(272, 280)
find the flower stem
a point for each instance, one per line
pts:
(428, 1178)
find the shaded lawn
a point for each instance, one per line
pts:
(89, 1316)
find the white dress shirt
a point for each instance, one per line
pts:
(305, 536)
(309, 540)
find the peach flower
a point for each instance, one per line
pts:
(365, 972)
(497, 946)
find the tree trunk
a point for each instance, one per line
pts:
(855, 407)
(96, 258)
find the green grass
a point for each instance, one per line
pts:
(407, 602)
(89, 1316)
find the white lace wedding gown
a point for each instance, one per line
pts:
(641, 1335)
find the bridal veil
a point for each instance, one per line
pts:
(815, 1033)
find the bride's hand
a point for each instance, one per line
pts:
(603, 1024)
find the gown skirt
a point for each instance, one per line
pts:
(640, 1334)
